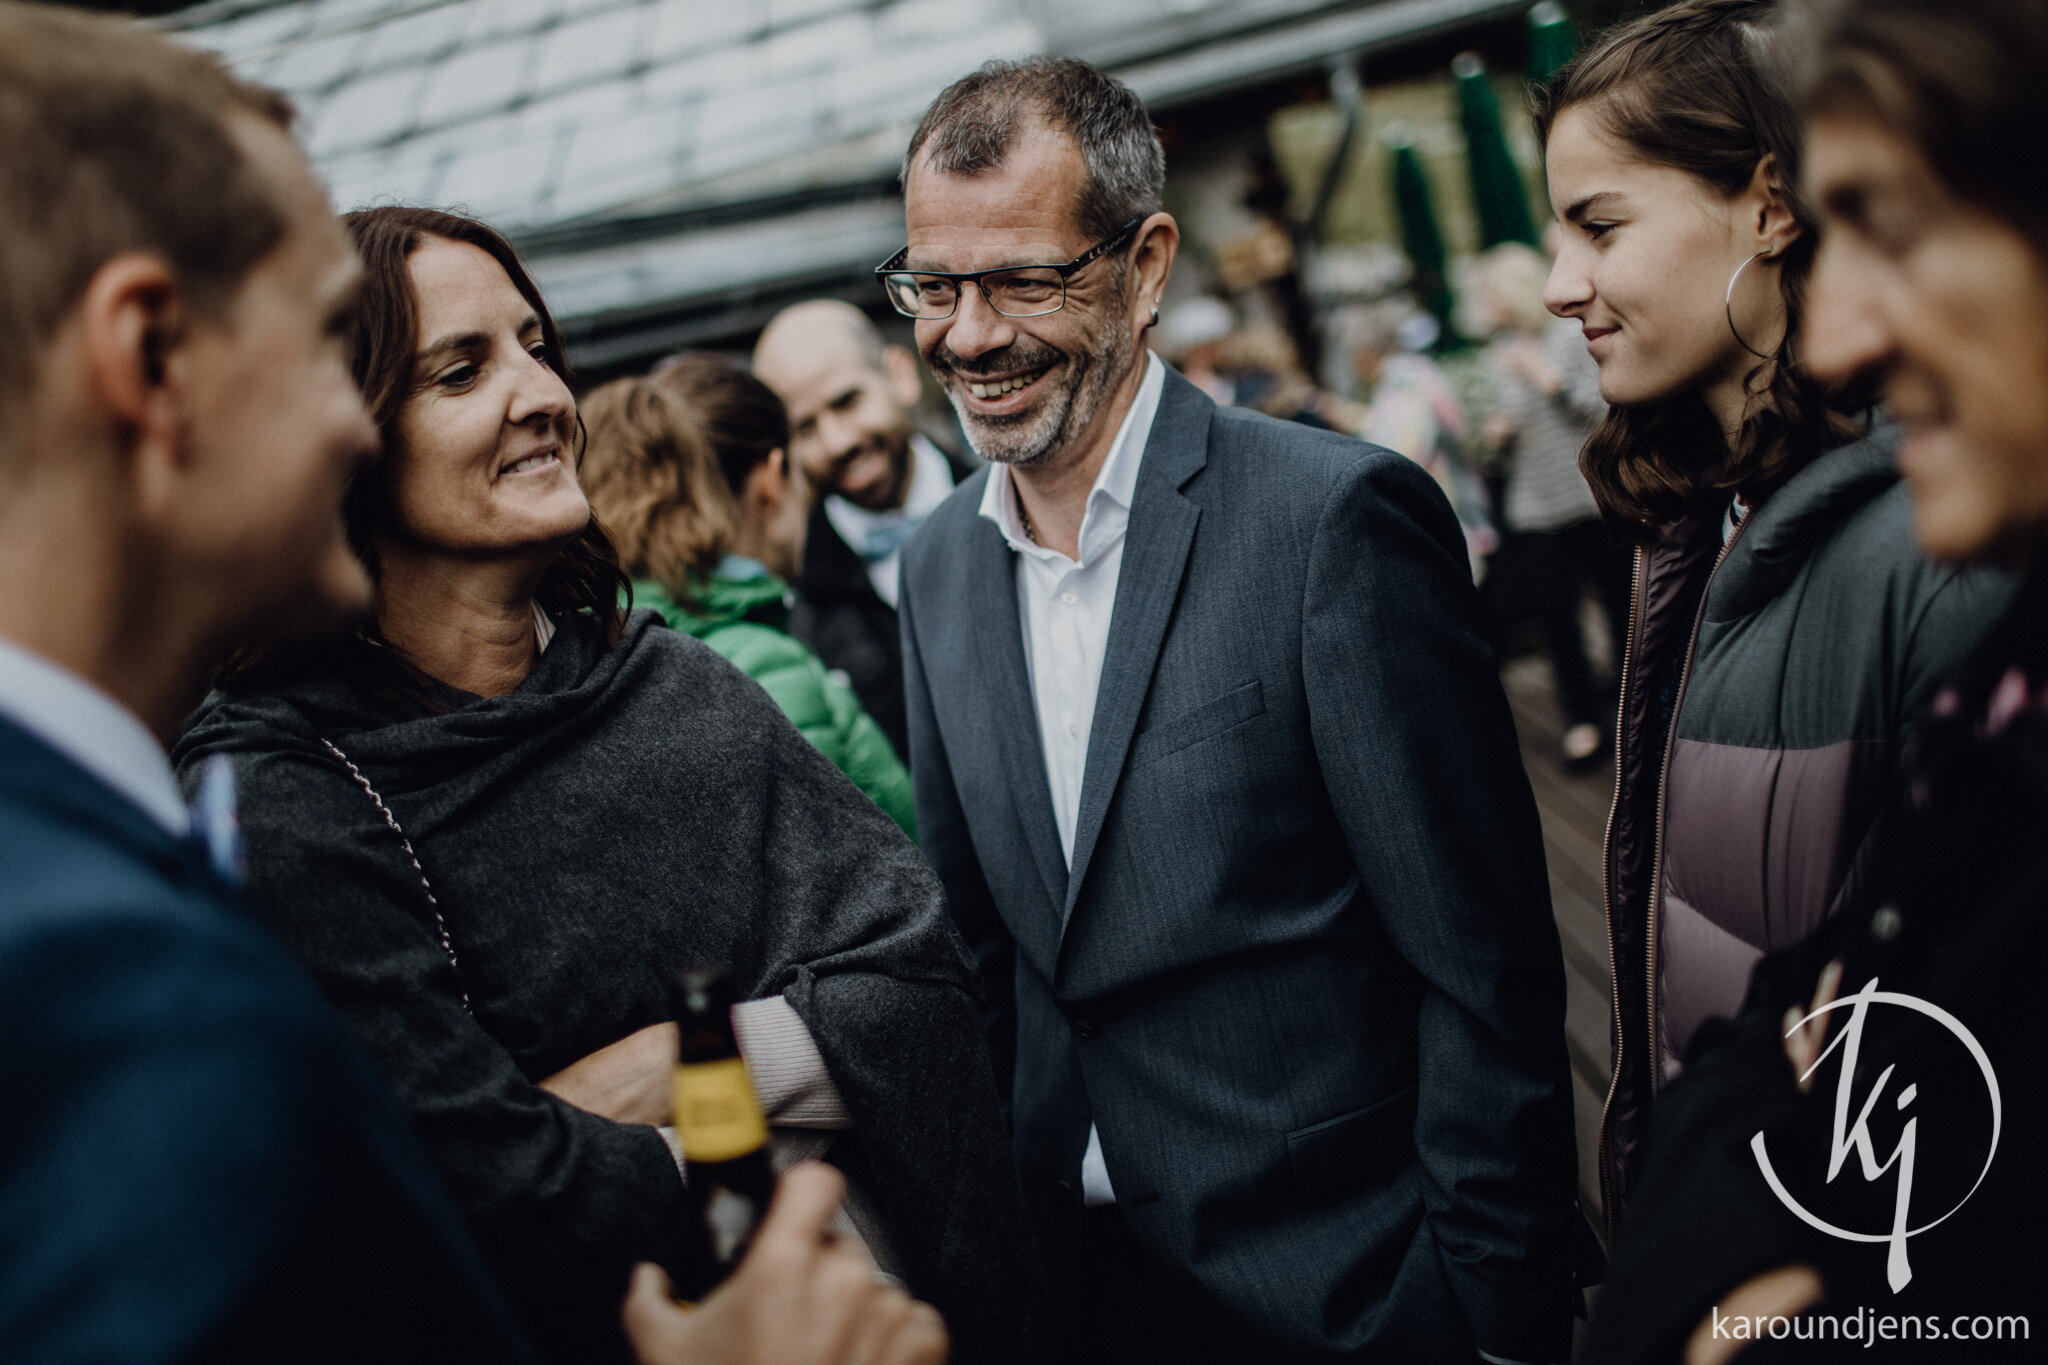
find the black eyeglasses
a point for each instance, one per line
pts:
(1015, 291)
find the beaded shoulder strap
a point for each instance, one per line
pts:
(440, 924)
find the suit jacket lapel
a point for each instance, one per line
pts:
(999, 640)
(1156, 545)
(40, 775)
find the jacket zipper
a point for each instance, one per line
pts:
(1656, 863)
(1663, 782)
(1638, 582)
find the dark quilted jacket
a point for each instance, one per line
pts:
(1818, 639)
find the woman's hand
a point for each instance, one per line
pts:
(630, 1081)
(1804, 1042)
(801, 1297)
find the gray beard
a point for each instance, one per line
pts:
(1034, 438)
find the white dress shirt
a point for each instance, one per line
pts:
(93, 730)
(931, 480)
(1064, 607)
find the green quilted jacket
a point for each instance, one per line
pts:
(746, 620)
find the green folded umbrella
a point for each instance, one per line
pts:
(1420, 236)
(1498, 194)
(1551, 42)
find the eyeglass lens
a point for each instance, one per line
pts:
(1014, 293)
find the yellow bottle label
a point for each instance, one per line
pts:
(716, 1114)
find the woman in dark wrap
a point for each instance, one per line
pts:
(496, 818)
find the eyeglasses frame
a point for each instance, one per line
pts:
(961, 278)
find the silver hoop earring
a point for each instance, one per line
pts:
(1728, 305)
(1155, 319)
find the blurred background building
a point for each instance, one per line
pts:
(675, 170)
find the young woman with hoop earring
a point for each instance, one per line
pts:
(1784, 631)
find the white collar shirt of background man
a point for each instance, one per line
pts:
(931, 481)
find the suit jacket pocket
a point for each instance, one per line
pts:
(1339, 1152)
(1211, 718)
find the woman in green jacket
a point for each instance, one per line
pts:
(689, 471)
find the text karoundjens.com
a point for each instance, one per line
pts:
(1871, 1328)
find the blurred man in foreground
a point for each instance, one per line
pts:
(852, 428)
(196, 1158)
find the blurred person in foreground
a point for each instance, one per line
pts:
(1216, 768)
(498, 815)
(1927, 162)
(852, 402)
(197, 1160)
(1543, 402)
(1785, 636)
(689, 471)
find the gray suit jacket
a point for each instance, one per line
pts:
(1303, 974)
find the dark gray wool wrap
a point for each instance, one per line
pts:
(620, 814)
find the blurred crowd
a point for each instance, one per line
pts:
(1497, 417)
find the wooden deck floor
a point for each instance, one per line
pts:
(1574, 811)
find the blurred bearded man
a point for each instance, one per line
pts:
(1216, 768)
(852, 404)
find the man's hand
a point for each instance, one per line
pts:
(801, 1297)
(630, 1081)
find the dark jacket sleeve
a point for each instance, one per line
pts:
(1419, 754)
(561, 1201)
(196, 1165)
(943, 835)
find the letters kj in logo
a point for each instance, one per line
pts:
(1854, 1137)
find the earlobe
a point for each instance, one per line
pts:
(1158, 244)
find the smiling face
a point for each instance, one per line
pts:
(483, 468)
(1029, 391)
(849, 414)
(1948, 305)
(1644, 264)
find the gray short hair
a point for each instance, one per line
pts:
(975, 121)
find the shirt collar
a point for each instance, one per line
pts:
(1116, 483)
(93, 730)
(740, 569)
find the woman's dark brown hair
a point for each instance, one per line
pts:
(1964, 81)
(1698, 88)
(385, 344)
(650, 474)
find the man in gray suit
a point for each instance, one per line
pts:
(1223, 788)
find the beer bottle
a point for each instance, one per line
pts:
(717, 1119)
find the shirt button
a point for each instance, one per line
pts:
(1087, 1026)
(1073, 730)
(1069, 598)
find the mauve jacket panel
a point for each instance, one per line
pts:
(622, 813)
